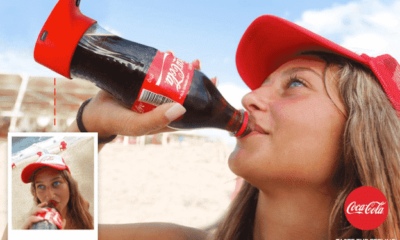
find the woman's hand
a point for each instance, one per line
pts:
(33, 218)
(105, 115)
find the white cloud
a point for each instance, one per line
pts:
(363, 42)
(330, 20)
(111, 30)
(227, 60)
(368, 26)
(21, 61)
(233, 94)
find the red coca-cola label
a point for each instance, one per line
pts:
(51, 215)
(168, 80)
(366, 208)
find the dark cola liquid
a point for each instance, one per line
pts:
(120, 66)
(205, 106)
(114, 64)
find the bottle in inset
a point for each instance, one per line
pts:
(52, 218)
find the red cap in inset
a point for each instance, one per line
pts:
(47, 160)
(60, 36)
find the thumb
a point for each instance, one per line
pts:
(173, 112)
(154, 120)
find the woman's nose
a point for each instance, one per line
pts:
(257, 100)
(50, 194)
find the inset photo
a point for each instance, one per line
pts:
(52, 184)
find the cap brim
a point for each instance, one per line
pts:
(31, 168)
(270, 41)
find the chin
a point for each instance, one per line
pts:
(239, 161)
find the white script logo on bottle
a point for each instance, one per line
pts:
(176, 72)
(373, 207)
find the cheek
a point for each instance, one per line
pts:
(40, 196)
(66, 194)
(308, 138)
(315, 122)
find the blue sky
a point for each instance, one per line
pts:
(209, 29)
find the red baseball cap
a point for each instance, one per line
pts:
(270, 41)
(47, 160)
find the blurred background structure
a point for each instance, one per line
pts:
(30, 104)
(47, 104)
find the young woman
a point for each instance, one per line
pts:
(326, 123)
(51, 180)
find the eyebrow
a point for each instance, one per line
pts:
(297, 69)
(55, 178)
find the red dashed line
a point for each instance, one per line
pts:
(54, 101)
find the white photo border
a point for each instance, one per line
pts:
(44, 234)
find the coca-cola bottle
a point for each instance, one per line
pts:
(141, 77)
(53, 220)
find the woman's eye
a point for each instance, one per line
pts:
(56, 184)
(41, 187)
(295, 82)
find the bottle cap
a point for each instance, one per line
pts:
(53, 203)
(60, 36)
(246, 127)
(244, 124)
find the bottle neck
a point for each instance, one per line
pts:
(240, 124)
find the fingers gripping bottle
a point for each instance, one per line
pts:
(141, 77)
(52, 218)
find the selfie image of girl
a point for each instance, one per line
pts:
(63, 180)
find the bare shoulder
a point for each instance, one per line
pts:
(150, 231)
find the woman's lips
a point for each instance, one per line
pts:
(257, 131)
(53, 202)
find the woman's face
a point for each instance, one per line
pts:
(50, 185)
(299, 127)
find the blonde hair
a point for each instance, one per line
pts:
(370, 157)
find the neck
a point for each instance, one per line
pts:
(292, 214)
(64, 213)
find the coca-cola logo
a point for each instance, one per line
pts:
(175, 74)
(140, 108)
(371, 208)
(46, 159)
(366, 208)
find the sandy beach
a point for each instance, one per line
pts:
(184, 184)
(187, 185)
